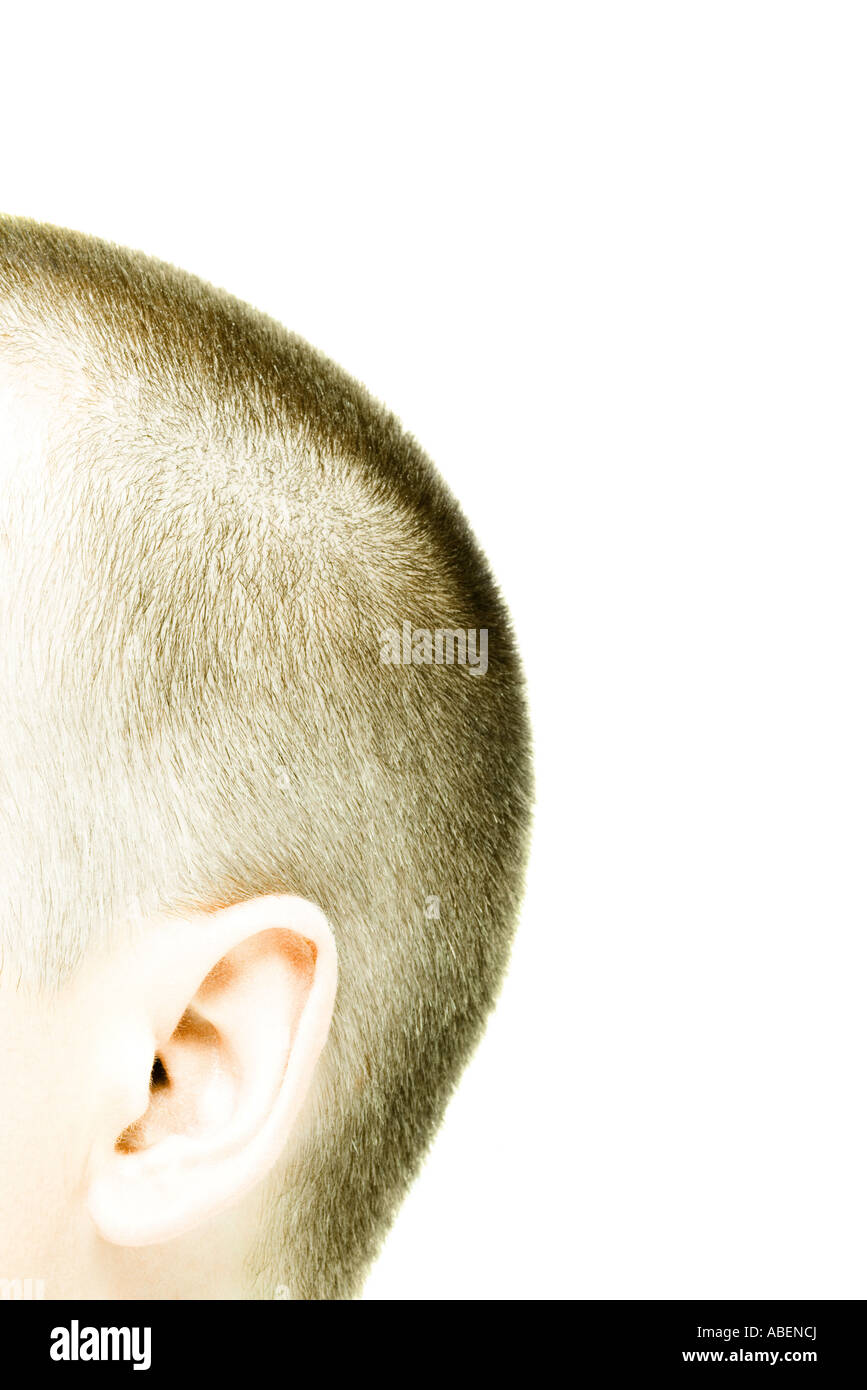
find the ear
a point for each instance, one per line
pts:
(212, 1058)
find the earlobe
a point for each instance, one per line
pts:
(250, 997)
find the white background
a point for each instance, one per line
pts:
(607, 262)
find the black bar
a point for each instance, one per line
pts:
(416, 1339)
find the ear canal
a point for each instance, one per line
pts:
(159, 1076)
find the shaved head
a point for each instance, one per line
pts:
(206, 528)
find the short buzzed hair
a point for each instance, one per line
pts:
(205, 533)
